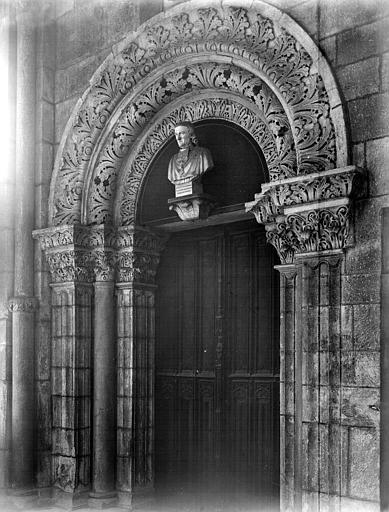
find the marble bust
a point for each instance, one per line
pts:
(191, 161)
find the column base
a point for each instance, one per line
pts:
(101, 500)
(70, 500)
(140, 499)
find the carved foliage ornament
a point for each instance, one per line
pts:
(82, 254)
(264, 118)
(205, 108)
(230, 31)
(307, 214)
(319, 187)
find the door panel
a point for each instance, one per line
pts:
(217, 362)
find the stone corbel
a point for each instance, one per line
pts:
(192, 207)
(308, 214)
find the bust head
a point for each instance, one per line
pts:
(185, 135)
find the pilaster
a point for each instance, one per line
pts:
(138, 259)
(288, 274)
(309, 221)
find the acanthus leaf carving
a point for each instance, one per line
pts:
(320, 230)
(101, 253)
(214, 108)
(226, 30)
(308, 214)
(283, 240)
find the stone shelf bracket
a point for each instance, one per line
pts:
(192, 207)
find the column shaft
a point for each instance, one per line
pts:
(23, 316)
(104, 391)
(25, 155)
(23, 404)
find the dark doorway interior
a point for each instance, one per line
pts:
(217, 370)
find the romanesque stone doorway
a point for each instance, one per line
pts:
(217, 369)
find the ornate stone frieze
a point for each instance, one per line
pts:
(307, 214)
(175, 45)
(322, 186)
(23, 304)
(78, 253)
(89, 253)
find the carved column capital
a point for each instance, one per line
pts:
(66, 252)
(78, 253)
(138, 252)
(308, 214)
(23, 304)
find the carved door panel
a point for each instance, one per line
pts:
(216, 361)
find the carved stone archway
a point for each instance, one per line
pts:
(248, 63)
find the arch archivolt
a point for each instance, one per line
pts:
(209, 105)
(255, 53)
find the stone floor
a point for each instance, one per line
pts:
(184, 503)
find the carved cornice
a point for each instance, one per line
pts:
(307, 215)
(227, 48)
(23, 304)
(318, 187)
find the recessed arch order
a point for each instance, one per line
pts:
(246, 62)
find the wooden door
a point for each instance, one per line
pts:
(217, 382)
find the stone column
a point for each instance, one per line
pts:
(23, 304)
(308, 220)
(7, 259)
(72, 270)
(287, 384)
(138, 258)
(103, 491)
